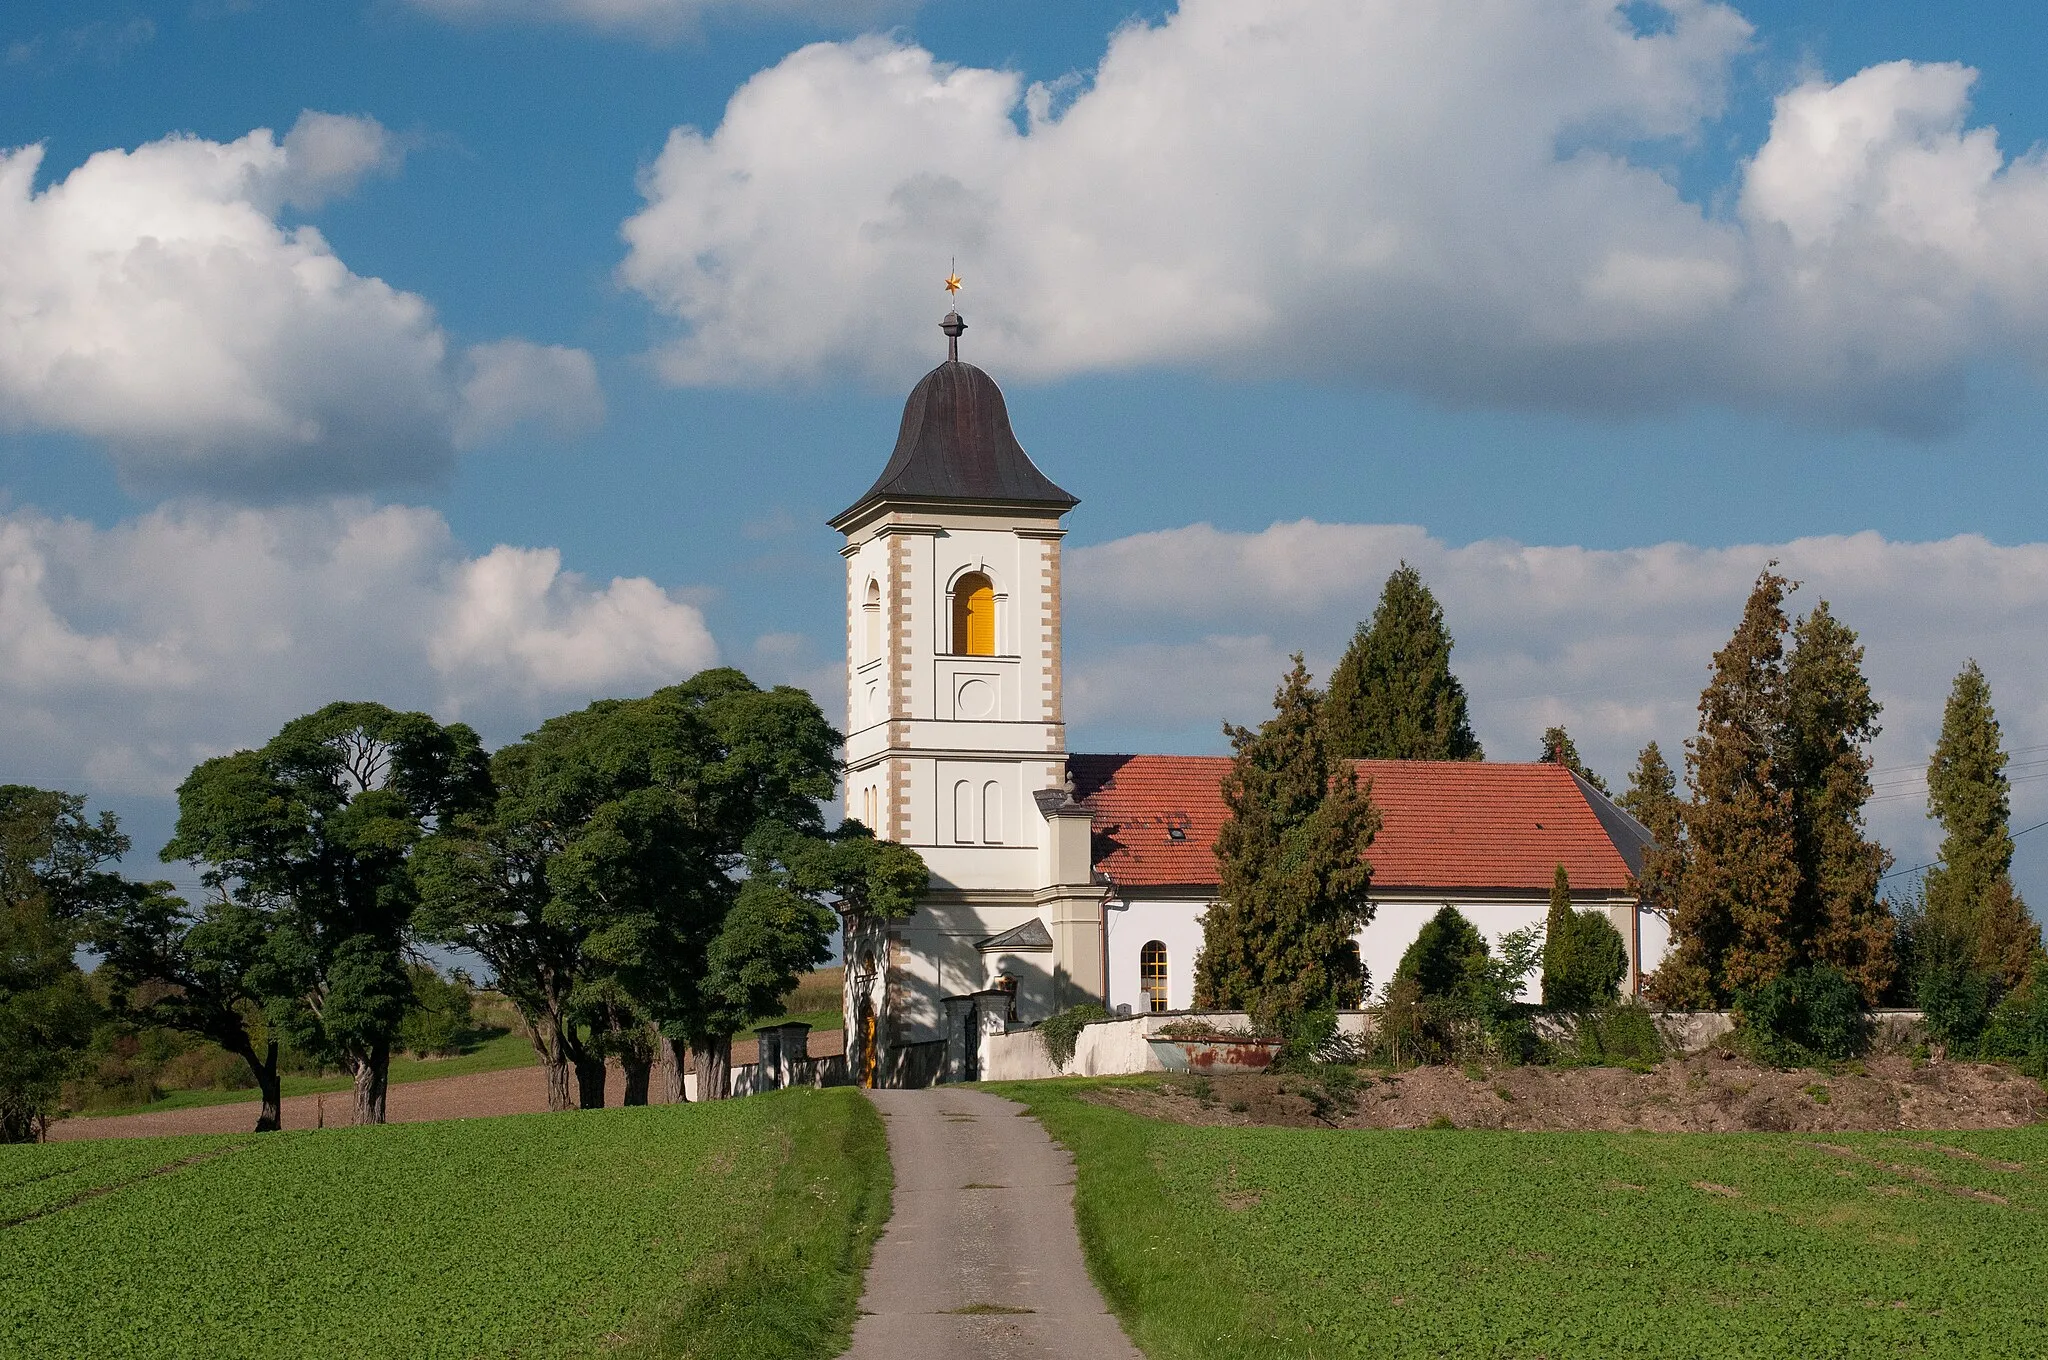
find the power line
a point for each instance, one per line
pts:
(1931, 863)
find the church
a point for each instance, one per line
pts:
(1059, 877)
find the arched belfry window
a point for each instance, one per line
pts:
(1152, 975)
(974, 616)
(871, 622)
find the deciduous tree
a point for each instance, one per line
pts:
(1393, 696)
(211, 972)
(1293, 872)
(52, 880)
(316, 832)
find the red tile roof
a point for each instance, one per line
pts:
(1444, 824)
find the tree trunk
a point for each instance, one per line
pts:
(714, 1067)
(552, 1043)
(674, 1092)
(589, 1080)
(639, 1068)
(272, 1117)
(558, 1082)
(373, 1080)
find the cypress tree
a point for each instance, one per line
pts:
(1652, 799)
(1584, 956)
(1970, 897)
(1737, 898)
(1831, 717)
(1393, 696)
(1557, 944)
(1292, 875)
(1559, 749)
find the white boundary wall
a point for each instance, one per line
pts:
(1116, 1048)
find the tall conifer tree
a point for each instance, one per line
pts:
(1293, 876)
(1970, 897)
(1652, 799)
(1773, 871)
(1393, 696)
(1560, 749)
(1831, 717)
(1730, 919)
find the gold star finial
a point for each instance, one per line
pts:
(953, 281)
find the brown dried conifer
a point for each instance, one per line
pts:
(1831, 717)
(1732, 915)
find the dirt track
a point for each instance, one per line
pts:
(517, 1090)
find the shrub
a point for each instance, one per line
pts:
(1803, 1016)
(1061, 1032)
(1433, 1015)
(2018, 1028)
(1957, 1001)
(1584, 970)
(1306, 1040)
(1618, 1034)
(442, 1016)
(1438, 959)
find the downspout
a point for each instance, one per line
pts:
(1635, 956)
(1108, 896)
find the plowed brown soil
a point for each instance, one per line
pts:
(1706, 1093)
(517, 1090)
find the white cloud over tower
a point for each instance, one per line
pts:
(1473, 203)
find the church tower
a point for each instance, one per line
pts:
(956, 739)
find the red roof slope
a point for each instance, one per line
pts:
(1444, 824)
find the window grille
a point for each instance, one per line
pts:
(1152, 975)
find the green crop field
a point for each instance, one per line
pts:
(1225, 1242)
(733, 1229)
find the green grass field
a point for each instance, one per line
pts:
(734, 1229)
(1227, 1242)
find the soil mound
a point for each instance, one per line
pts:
(1711, 1092)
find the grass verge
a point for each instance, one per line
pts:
(1225, 1242)
(739, 1228)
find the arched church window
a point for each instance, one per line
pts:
(974, 616)
(871, 622)
(963, 813)
(1152, 975)
(992, 812)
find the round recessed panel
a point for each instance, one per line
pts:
(976, 699)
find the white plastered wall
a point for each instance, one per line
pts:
(1177, 923)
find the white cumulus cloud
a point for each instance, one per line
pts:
(1472, 203)
(153, 300)
(1614, 644)
(128, 654)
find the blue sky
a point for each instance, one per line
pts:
(1570, 321)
